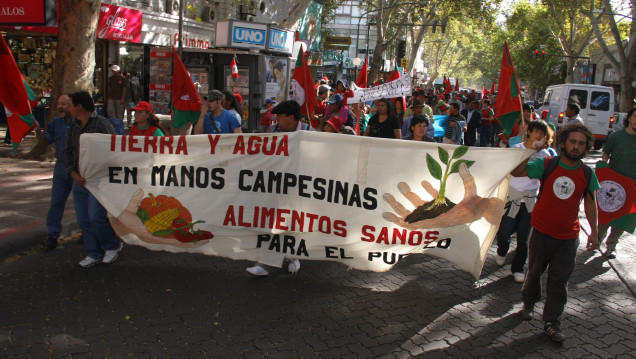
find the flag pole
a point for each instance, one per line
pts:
(522, 128)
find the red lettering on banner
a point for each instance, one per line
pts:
(280, 219)
(399, 236)
(214, 139)
(182, 146)
(283, 219)
(229, 217)
(267, 145)
(148, 144)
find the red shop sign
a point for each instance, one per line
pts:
(119, 23)
(20, 12)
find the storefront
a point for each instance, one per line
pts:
(264, 72)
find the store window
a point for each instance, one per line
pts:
(131, 58)
(34, 56)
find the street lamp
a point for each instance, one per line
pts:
(601, 12)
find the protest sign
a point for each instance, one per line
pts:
(304, 195)
(397, 88)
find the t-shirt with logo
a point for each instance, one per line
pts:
(225, 122)
(557, 210)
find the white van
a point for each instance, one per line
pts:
(597, 107)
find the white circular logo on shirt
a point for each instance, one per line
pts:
(563, 187)
(611, 196)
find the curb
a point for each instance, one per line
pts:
(21, 241)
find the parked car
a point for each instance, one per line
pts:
(597, 107)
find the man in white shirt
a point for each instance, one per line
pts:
(521, 199)
(572, 114)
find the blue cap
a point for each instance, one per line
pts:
(335, 99)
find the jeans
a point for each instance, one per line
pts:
(115, 109)
(485, 135)
(612, 240)
(558, 256)
(97, 233)
(62, 185)
(520, 224)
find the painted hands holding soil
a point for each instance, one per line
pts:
(129, 222)
(440, 212)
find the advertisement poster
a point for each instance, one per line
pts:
(276, 76)
(119, 23)
(160, 81)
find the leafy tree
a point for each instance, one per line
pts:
(625, 61)
(75, 53)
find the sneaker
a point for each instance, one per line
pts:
(610, 254)
(111, 255)
(50, 244)
(89, 262)
(294, 266)
(526, 312)
(519, 277)
(257, 270)
(501, 260)
(554, 332)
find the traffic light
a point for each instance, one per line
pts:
(536, 54)
(401, 49)
(543, 54)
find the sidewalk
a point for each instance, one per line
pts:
(25, 189)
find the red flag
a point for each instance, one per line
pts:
(616, 199)
(448, 88)
(394, 76)
(483, 92)
(363, 75)
(493, 88)
(14, 95)
(186, 102)
(301, 88)
(456, 85)
(234, 69)
(508, 105)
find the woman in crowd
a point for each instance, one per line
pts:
(146, 122)
(382, 124)
(419, 125)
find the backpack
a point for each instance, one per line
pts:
(552, 164)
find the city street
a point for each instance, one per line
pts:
(158, 304)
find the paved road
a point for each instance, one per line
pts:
(158, 304)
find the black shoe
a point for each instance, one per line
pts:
(554, 332)
(50, 244)
(526, 312)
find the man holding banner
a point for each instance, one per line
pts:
(619, 151)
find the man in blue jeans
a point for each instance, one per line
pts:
(100, 241)
(62, 181)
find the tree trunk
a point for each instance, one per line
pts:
(627, 91)
(378, 61)
(74, 56)
(290, 19)
(569, 77)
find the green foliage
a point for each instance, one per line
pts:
(435, 169)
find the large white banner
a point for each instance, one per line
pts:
(361, 201)
(396, 88)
